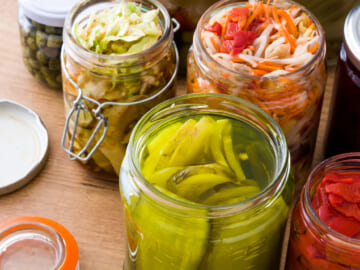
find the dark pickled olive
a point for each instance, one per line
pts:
(41, 38)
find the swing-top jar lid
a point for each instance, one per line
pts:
(47, 12)
(37, 243)
(352, 36)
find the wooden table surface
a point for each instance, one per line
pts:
(65, 192)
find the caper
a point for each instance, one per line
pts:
(34, 64)
(41, 38)
(31, 42)
(29, 53)
(51, 29)
(52, 82)
(42, 58)
(39, 76)
(37, 25)
(54, 41)
(58, 78)
(48, 73)
(54, 64)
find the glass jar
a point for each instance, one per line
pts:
(293, 99)
(166, 232)
(344, 118)
(314, 245)
(41, 24)
(331, 15)
(105, 95)
(187, 13)
(37, 243)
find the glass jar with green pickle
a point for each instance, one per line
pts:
(206, 183)
(118, 61)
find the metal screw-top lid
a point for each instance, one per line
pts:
(47, 12)
(23, 145)
(352, 36)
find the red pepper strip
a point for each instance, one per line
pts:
(255, 26)
(350, 192)
(227, 46)
(336, 177)
(242, 39)
(215, 28)
(345, 208)
(231, 29)
(240, 15)
(325, 212)
(312, 252)
(345, 226)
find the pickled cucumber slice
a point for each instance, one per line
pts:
(167, 241)
(230, 155)
(231, 195)
(247, 238)
(193, 145)
(159, 158)
(192, 187)
(163, 136)
(162, 177)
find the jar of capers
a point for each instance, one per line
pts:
(41, 24)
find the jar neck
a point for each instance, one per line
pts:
(89, 59)
(207, 64)
(336, 164)
(16, 233)
(224, 105)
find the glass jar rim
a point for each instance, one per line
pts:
(274, 188)
(305, 198)
(215, 7)
(68, 247)
(88, 54)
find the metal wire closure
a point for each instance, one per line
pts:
(79, 106)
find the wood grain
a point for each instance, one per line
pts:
(64, 191)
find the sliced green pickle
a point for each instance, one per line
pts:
(165, 244)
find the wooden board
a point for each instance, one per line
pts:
(89, 207)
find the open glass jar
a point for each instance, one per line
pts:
(293, 97)
(37, 243)
(189, 226)
(105, 95)
(313, 244)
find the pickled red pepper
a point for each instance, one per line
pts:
(260, 39)
(337, 201)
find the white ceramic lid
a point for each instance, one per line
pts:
(352, 36)
(23, 145)
(48, 12)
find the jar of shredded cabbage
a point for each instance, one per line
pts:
(118, 61)
(206, 185)
(271, 53)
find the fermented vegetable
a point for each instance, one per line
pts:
(129, 60)
(271, 53)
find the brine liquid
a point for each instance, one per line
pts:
(29, 254)
(208, 159)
